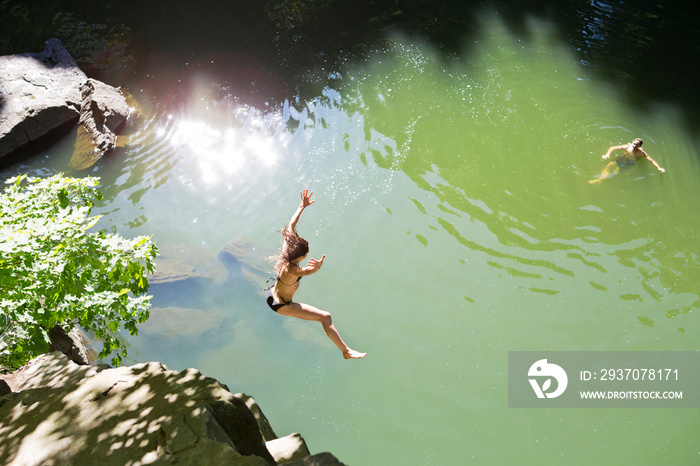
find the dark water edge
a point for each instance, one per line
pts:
(648, 48)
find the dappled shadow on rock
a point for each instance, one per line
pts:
(40, 95)
(63, 413)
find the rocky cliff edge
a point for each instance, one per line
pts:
(56, 412)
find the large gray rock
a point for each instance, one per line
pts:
(249, 258)
(179, 326)
(74, 344)
(42, 92)
(103, 113)
(173, 271)
(200, 258)
(39, 93)
(289, 448)
(320, 459)
(63, 413)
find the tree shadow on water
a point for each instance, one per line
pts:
(648, 49)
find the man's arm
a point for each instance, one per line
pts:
(653, 162)
(613, 149)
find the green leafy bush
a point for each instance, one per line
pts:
(53, 272)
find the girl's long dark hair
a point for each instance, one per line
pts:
(293, 247)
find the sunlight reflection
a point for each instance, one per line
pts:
(245, 141)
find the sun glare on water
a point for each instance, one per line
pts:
(247, 141)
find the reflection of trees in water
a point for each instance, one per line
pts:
(98, 45)
(645, 44)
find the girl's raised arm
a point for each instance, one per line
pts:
(305, 202)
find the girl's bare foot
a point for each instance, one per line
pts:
(352, 354)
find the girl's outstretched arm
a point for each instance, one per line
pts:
(305, 202)
(312, 266)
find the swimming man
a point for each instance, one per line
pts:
(633, 152)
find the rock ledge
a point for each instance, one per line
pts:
(40, 93)
(60, 412)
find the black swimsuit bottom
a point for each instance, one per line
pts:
(272, 301)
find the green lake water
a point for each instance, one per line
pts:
(454, 209)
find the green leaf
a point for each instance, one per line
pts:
(55, 269)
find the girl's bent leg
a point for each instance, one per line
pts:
(308, 312)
